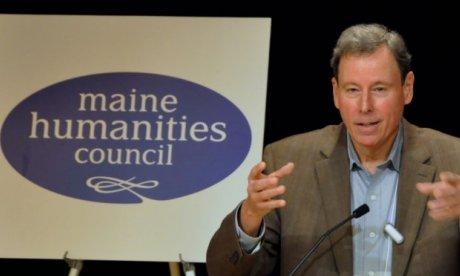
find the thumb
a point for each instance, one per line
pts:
(425, 188)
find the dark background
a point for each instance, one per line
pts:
(299, 91)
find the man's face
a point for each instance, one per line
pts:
(370, 96)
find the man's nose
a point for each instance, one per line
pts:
(366, 104)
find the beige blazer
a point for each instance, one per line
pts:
(318, 197)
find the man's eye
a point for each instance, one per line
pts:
(352, 90)
(380, 89)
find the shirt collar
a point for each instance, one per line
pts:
(394, 158)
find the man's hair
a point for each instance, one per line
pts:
(366, 39)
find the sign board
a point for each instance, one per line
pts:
(124, 137)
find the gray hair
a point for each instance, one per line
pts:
(365, 39)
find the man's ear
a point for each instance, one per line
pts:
(335, 91)
(408, 87)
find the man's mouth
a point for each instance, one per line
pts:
(373, 123)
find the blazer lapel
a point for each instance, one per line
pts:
(334, 186)
(410, 204)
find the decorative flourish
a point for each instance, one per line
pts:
(109, 185)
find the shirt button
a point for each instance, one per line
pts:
(373, 197)
(372, 234)
(371, 273)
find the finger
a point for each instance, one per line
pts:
(268, 194)
(283, 171)
(272, 204)
(450, 177)
(443, 190)
(439, 204)
(262, 184)
(256, 171)
(425, 188)
(444, 195)
(445, 213)
(436, 204)
(439, 215)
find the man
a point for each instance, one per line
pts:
(407, 176)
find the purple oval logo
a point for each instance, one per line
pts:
(123, 137)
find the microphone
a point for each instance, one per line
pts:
(358, 212)
(394, 234)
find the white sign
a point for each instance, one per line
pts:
(126, 138)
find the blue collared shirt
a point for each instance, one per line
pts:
(372, 248)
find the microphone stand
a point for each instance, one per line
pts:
(361, 210)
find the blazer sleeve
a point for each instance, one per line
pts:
(225, 255)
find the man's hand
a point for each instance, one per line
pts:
(261, 189)
(445, 202)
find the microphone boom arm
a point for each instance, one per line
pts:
(361, 210)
